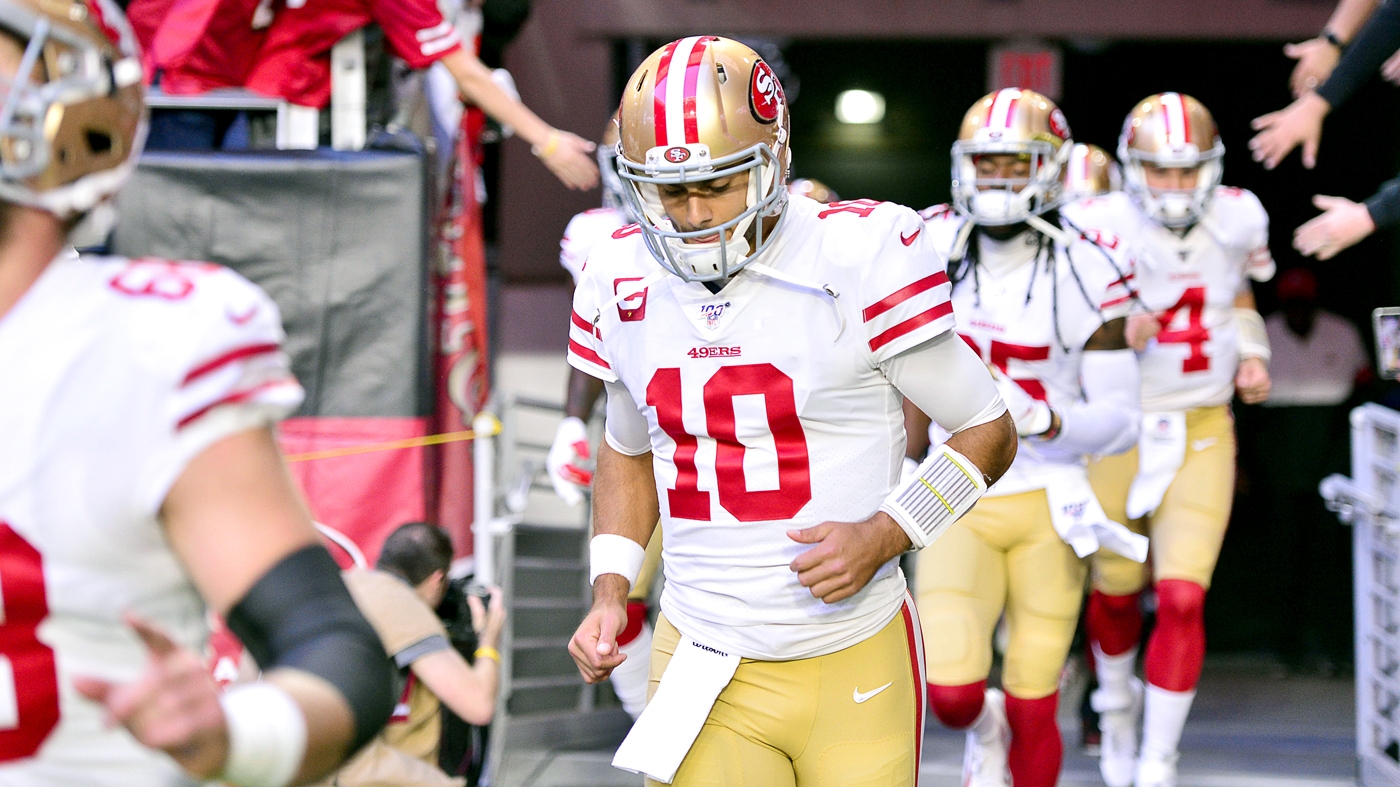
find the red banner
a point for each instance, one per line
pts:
(460, 313)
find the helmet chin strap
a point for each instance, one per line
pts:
(734, 250)
(1057, 234)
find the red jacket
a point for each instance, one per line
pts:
(295, 60)
(196, 45)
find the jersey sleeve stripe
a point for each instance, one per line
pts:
(1115, 301)
(233, 356)
(903, 294)
(584, 325)
(587, 354)
(913, 323)
(234, 398)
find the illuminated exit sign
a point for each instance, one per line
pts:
(1033, 66)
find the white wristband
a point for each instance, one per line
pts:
(1254, 338)
(944, 488)
(610, 554)
(266, 735)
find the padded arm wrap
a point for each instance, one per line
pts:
(300, 616)
(945, 487)
(1108, 419)
(1254, 339)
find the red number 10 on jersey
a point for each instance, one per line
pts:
(687, 500)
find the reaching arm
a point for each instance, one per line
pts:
(625, 512)
(1107, 420)
(238, 525)
(568, 156)
(1375, 42)
(1318, 56)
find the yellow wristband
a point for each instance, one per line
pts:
(550, 145)
(490, 653)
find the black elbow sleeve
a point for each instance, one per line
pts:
(299, 615)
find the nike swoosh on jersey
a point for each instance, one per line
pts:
(910, 239)
(1203, 443)
(859, 698)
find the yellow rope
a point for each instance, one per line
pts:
(412, 442)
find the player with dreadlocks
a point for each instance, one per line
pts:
(1045, 307)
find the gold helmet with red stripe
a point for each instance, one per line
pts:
(73, 116)
(1017, 122)
(698, 109)
(1171, 130)
(1090, 172)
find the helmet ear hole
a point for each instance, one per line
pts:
(98, 142)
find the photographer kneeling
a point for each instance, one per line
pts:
(398, 597)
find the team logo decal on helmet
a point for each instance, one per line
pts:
(677, 155)
(1059, 126)
(765, 94)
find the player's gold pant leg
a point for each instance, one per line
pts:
(1111, 478)
(798, 723)
(642, 589)
(961, 582)
(1045, 586)
(1189, 527)
(1004, 555)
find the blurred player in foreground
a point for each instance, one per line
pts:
(140, 480)
(1045, 308)
(1197, 244)
(755, 346)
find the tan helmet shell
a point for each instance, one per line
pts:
(1169, 128)
(703, 97)
(1089, 172)
(77, 150)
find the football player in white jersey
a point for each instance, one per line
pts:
(1198, 244)
(755, 346)
(565, 462)
(1045, 308)
(139, 478)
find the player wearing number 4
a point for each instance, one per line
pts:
(1045, 306)
(1197, 244)
(139, 478)
(755, 347)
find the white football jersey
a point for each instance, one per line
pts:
(117, 373)
(768, 411)
(1031, 323)
(1190, 282)
(584, 230)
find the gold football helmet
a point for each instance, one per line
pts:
(1090, 172)
(1018, 122)
(73, 117)
(697, 109)
(1171, 130)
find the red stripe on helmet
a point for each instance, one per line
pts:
(658, 93)
(692, 77)
(1185, 119)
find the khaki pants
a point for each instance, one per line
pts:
(1004, 555)
(799, 724)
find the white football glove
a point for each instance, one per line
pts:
(563, 461)
(1031, 415)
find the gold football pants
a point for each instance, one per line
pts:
(1189, 526)
(1004, 555)
(853, 718)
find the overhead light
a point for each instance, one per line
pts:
(860, 107)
